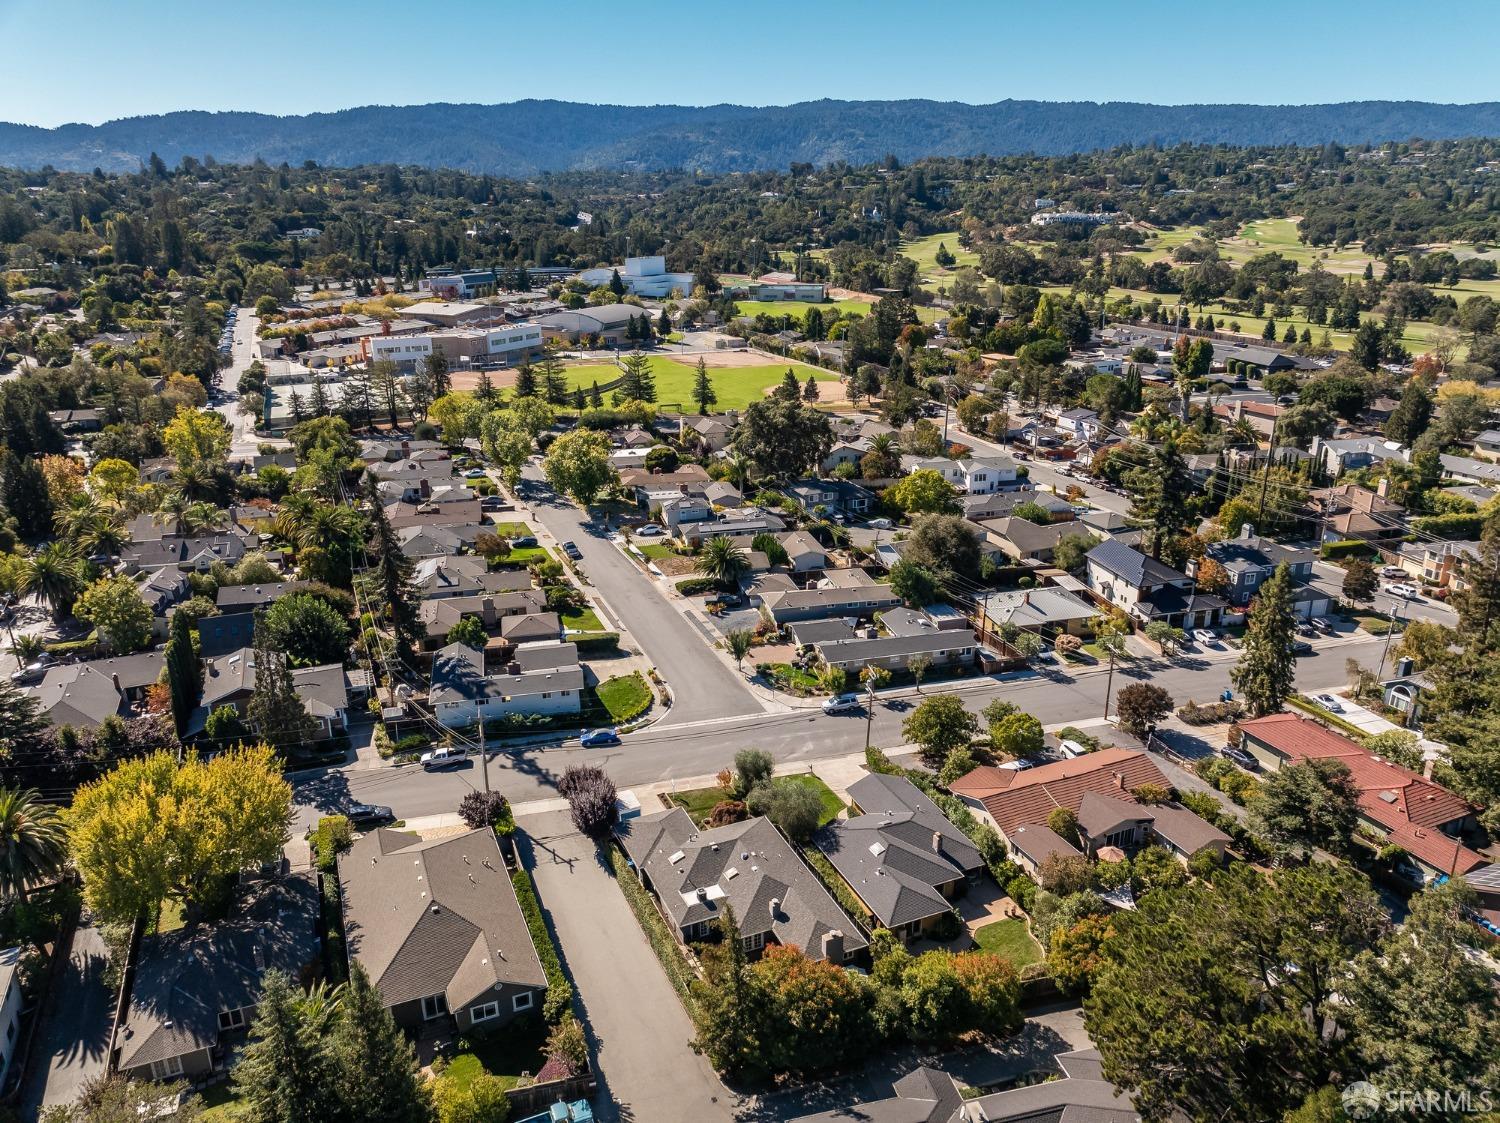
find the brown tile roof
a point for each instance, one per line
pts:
(1028, 797)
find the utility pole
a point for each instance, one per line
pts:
(869, 710)
(1109, 683)
(1265, 480)
(1395, 619)
(484, 756)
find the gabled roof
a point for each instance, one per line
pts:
(749, 866)
(254, 596)
(1039, 842)
(185, 979)
(435, 917)
(1133, 567)
(1026, 798)
(924, 1095)
(897, 854)
(1032, 608)
(78, 695)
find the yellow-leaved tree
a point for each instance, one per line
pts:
(197, 438)
(152, 829)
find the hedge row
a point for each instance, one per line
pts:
(598, 641)
(696, 586)
(668, 952)
(559, 998)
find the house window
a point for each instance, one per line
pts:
(698, 931)
(484, 1012)
(1120, 838)
(434, 1006)
(523, 1001)
(166, 1069)
(232, 1019)
(754, 942)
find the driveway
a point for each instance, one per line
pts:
(73, 1038)
(647, 1072)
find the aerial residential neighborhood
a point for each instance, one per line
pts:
(571, 610)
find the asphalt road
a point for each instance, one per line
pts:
(677, 750)
(703, 687)
(241, 355)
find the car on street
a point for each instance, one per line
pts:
(1301, 647)
(1404, 591)
(1205, 636)
(1329, 703)
(1241, 757)
(597, 738)
(31, 672)
(880, 524)
(572, 550)
(650, 530)
(444, 758)
(369, 815)
(841, 704)
(523, 542)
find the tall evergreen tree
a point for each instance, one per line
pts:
(790, 388)
(526, 382)
(1164, 492)
(703, 389)
(1267, 667)
(436, 365)
(394, 574)
(184, 678)
(732, 1010)
(374, 1069)
(25, 496)
(484, 389)
(553, 380)
(275, 709)
(1478, 602)
(596, 398)
(319, 397)
(298, 407)
(284, 1075)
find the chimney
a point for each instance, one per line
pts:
(116, 680)
(512, 668)
(405, 449)
(424, 487)
(487, 611)
(1119, 780)
(1383, 488)
(833, 946)
(937, 842)
(1026, 597)
(775, 907)
(1247, 531)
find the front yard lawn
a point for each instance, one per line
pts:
(625, 696)
(1012, 939)
(832, 804)
(698, 802)
(526, 555)
(655, 551)
(584, 619)
(1376, 623)
(513, 530)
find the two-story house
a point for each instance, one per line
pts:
(1250, 560)
(1149, 590)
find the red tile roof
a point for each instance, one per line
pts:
(1409, 806)
(1015, 799)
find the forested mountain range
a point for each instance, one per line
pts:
(527, 137)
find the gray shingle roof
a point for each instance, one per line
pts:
(747, 865)
(1132, 566)
(435, 917)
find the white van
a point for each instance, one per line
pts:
(1071, 749)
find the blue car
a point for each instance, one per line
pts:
(597, 738)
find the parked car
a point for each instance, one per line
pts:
(1019, 765)
(524, 542)
(1241, 757)
(444, 758)
(1394, 571)
(369, 815)
(1329, 703)
(1323, 624)
(1305, 628)
(475, 474)
(880, 524)
(724, 600)
(1071, 749)
(650, 530)
(1404, 591)
(491, 503)
(841, 703)
(597, 738)
(31, 672)
(1301, 647)
(572, 550)
(1205, 636)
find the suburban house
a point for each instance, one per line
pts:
(229, 680)
(1025, 541)
(194, 990)
(941, 648)
(464, 575)
(1148, 589)
(422, 541)
(195, 553)
(1403, 693)
(1407, 810)
(1080, 424)
(437, 926)
(1335, 457)
(455, 507)
(924, 1095)
(1046, 610)
(837, 497)
(1350, 512)
(225, 633)
(439, 615)
(1001, 504)
(1438, 563)
(811, 604)
(805, 553)
(1467, 470)
(247, 598)
(1097, 788)
(162, 590)
(1083, 1095)
(1488, 442)
(899, 853)
(977, 475)
(462, 693)
(707, 434)
(1251, 560)
(82, 695)
(749, 867)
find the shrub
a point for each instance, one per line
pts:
(1345, 548)
(1022, 890)
(597, 642)
(794, 808)
(559, 991)
(568, 1045)
(697, 586)
(411, 743)
(752, 768)
(330, 838)
(1214, 713)
(486, 809)
(947, 927)
(726, 812)
(591, 798)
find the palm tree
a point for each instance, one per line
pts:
(196, 482)
(105, 535)
(171, 509)
(32, 841)
(722, 560)
(54, 576)
(81, 513)
(740, 640)
(199, 517)
(27, 648)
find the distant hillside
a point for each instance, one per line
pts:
(526, 137)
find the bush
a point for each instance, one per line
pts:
(568, 1045)
(559, 991)
(794, 808)
(726, 812)
(486, 809)
(598, 642)
(411, 743)
(752, 768)
(591, 798)
(697, 586)
(331, 837)
(1214, 713)
(1022, 890)
(947, 927)
(1348, 547)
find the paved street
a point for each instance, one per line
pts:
(683, 749)
(245, 441)
(647, 1072)
(71, 1042)
(703, 686)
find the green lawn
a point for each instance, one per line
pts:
(507, 1053)
(513, 530)
(1011, 939)
(924, 252)
(624, 696)
(832, 805)
(524, 556)
(655, 550)
(584, 619)
(698, 802)
(735, 387)
(220, 1104)
(797, 309)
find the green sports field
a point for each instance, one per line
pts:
(798, 308)
(736, 387)
(924, 252)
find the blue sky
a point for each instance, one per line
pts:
(93, 60)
